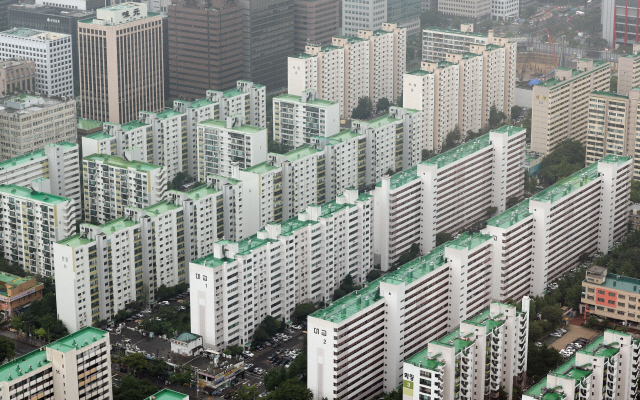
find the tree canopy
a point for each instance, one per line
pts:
(364, 108)
(383, 104)
(41, 314)
(7, 349)
(292, 389)
(131, 388)
(565, 159)
(303, 310)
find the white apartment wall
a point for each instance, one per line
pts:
(194, 116)
(419, 95)
(302, 73)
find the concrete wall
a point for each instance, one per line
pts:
(524, 97)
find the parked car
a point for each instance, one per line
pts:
(248, 354)
(248, 366)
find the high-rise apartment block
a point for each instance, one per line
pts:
(248, 100)
(35, 122)
(205, 47)
(54, 170)
(448, 367)
(170, 143)
(17, 75)
(224, 146)
(414, 205)
(560, 108)
(471, 9)
(31, 222)
(297, 119)
(606, 368)
(299, 260)
(629, 71)
(373, 65)
(82, 359)
(358, 16)
(612, 126)
(268, 39)
(52, 54)
(112, 183)
(316, 22)
(121, 63)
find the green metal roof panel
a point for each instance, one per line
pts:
(23, 159)
(247, 245)
(30, 194)
(99, 136)
(381, 121)
(535, 390)
(14, 280)
(297, 99)
(79, 339)
(114, 225)
(129, 126)
(89, 124)
(167, 394)
(23, 365)
(216, 123)
(620, 282)
(459, 152)
(120, 162)
(232, 93)
(511, 216)
(453, 339)
(75, 241)
(300, 152)
(200, 103)
(201, 191)
(468, 241)
(260, 168)
(161, 208)
(187, 337)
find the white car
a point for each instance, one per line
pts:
(248, 354)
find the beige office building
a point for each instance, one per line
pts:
(612, 127)
(17, 75)
(465, 8)
(561, 105)
(121, 63)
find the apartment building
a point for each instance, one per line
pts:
(112, 183)
(447, 193)
(303, 259)
(31, 222)
(170, 140)
(136, 78)
(296, 119)
(81, 359)
(17, 293)
(214, 25)
(447, 368)
(167, 394)
(544, 236)
(505, 10)
(248, 99)
(224, 146)
(17, 75)
(561, 105)
(34, 122)
(355, 349)
(373, 65)
(610, 296)
(52, 54)
(612, 126)
(55, 169)
(315, 22)
(358, 16)
(628, 72)
(606, 368)
(465, 9)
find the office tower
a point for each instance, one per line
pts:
(448, 367)
(4, 14)
(18, 293)
(371, 65)
(112, 183)
(32, 222)
(358, 16)
(54, 169)
(606, 368)
(316, 22)
(318, 249)
(296, 119)
(116, 81)
(629, 71)
(608, 295)
(612, 126)
(52, 53)
(561, 105)
(229, 144)
(205, 47)
(36, 122)
(414, 205)
(82, 360)
(505, 10)
(17, 75)
(471, 9)
(620, 23)
(268, 31)
(54, 17)
(405, 13)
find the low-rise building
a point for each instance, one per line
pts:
(17, 293)
(31, 222)
(55, 169)
(35, 122)
(303, 259)
(112, 183)
(82, 359)
(17, 75)
(606, 368)
(448, 367)
(634, 216)
(167, 394)
(611, 296)
(187, 344)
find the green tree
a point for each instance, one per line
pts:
(451, 140)
(443, 237)
(7, 349)
(40, 332)
(635, 191)
(270, 325)
(303, 310)
(515, 112)
(536, 332)
(496, 118)
(245, 392)
(233, 350)
(395, 394)
(292, 389)
(182, 375)
(433, 19)
(491, 211)
(613, 84)
(181, 178)
(374, 274)
(541, 360)
(364, 108)
(260, 335)
(552, 313)
(274, 377)
(12, 268)
(383, 104)
(157, 368)
(298, 365)
(136, 362)
(565, 159)
(338, 293)
(133, 389)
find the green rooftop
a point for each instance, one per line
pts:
(29, 194)
(341, 137)
(22, 32)
(89, 124)
(28, 157)
(23, 365)
(299, 153)
(329, 48)
(568, 185)
(569, 370)
(298, 99)
(161, 208)
(511, 216)
(247, 245)
(468, 241)
(419, 72)
(261, 168)
(216, 123)
(536, 389)
(99, 136)
(79, 339)
(380, 121)
(453, 339)
(200, 192)
(610, 94)
(456, 32)
(168, 114)
(75, 241)
(167, 394)
(290, 226)
(575, 74)
(430, 363)
(232, 93)
(511, 130)
(120, 162)
(303, 56)
(624, 283)
(200, 103)
(129, 126)
(491, 47)
(614, 159)
(460, 152)
(13, 280)
(597, 348)
(210, 261)
(114, 225)
(485, 319)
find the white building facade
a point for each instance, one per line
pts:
(357, 16)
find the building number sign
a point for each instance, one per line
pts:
(323, 332)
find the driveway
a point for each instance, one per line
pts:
(574, 333)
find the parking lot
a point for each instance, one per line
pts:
(574, 332)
